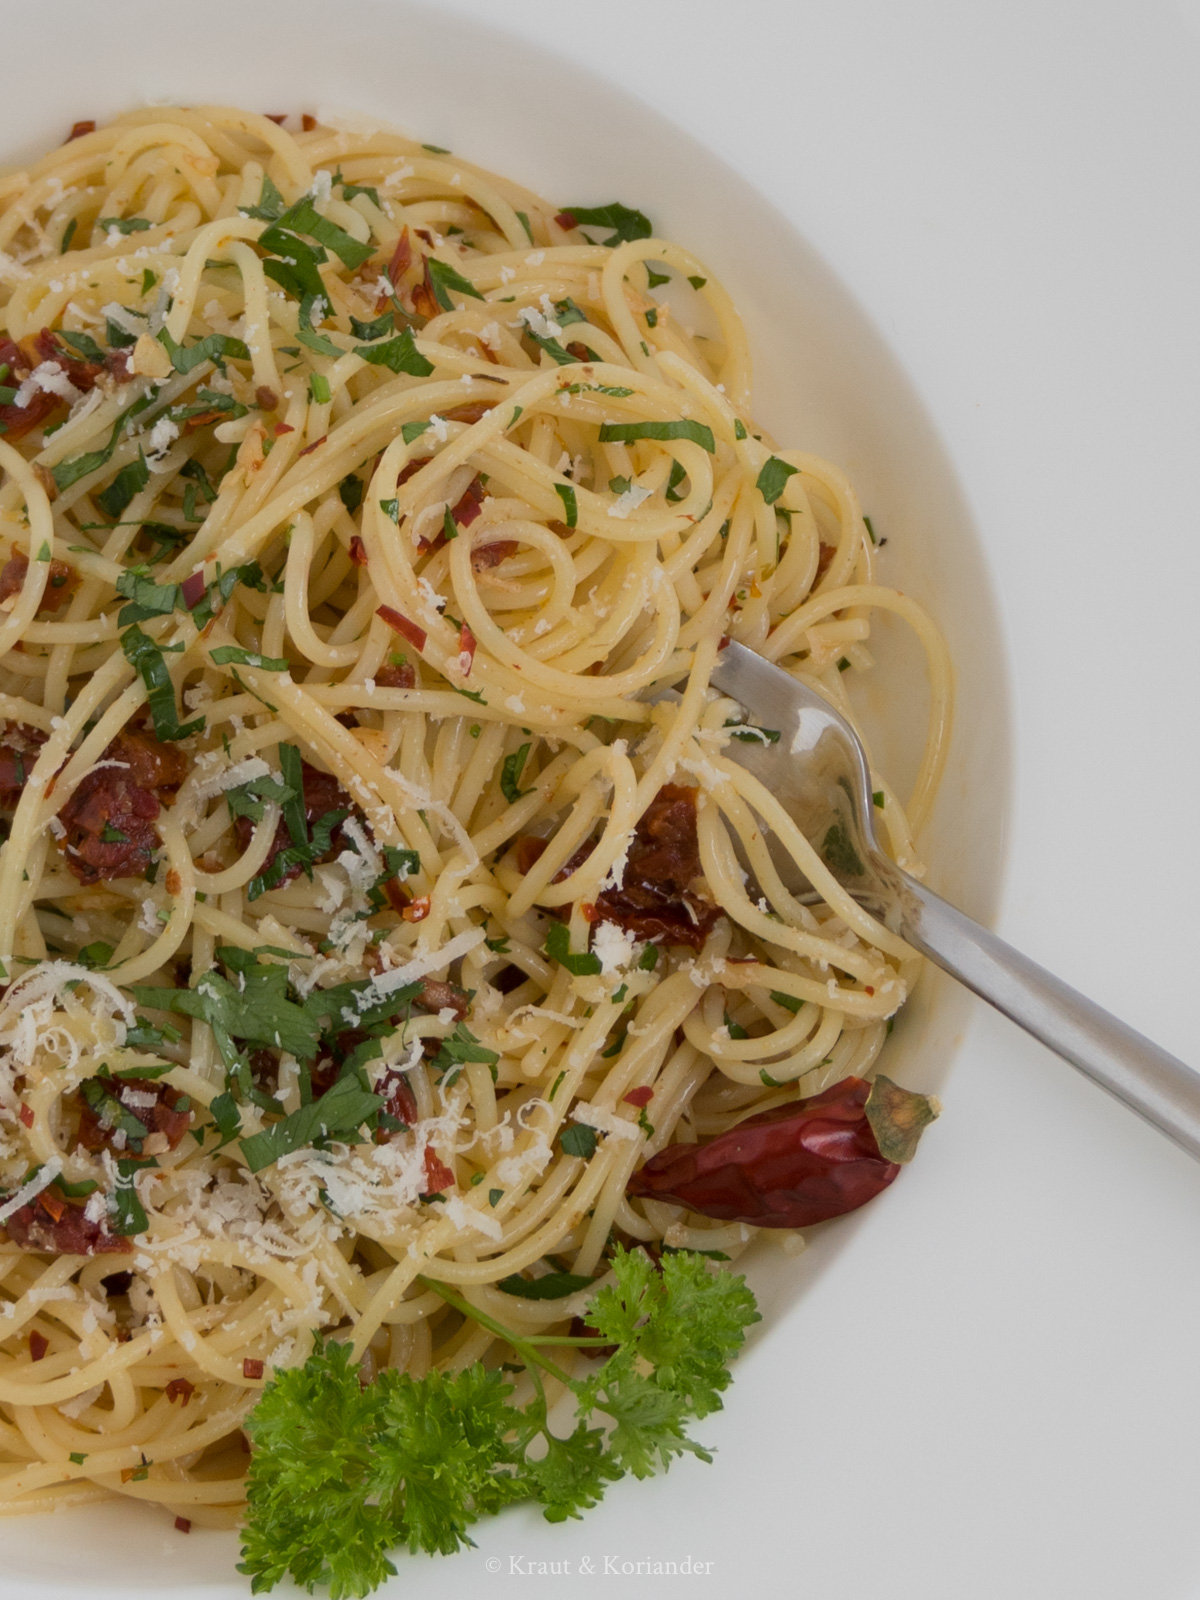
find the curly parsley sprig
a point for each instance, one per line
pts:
(341, 1475)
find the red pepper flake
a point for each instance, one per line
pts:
(466, 650)
(418, 911)
(401, 259)
(179, 1389)
(491, 555)
(283, 427)
(38, 1345)
(639, 1097)
(202, 420)
(725, 640)
(867, 989)
(566, 219)
(400, 624)
(174, 883)
(438, 1175)
(397, 895)
(26, 1115)
(358, 551)
(78, 129)
(278, 117)
(589, 912)
(309, 448)
(183, 1523)
(54, 1208)
(252, 1368)
(425, 302)
(192, 589)
(307, 122)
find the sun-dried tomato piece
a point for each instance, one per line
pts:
(322, 794)
(158, 1106)
(51, 346)
(529, 850)
(437, 995)
(393, 676)
(72, 1233)
(179, 1389)
(399, 1102)
(120, 362)
(61, 581)
(111, 815)
(470, 503)
(16, 420)
(20, 743)
(655, 901)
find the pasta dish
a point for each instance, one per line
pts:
(369, 914)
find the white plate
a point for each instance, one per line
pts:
(984, 1385)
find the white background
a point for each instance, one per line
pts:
(993, 1391)
(1010, 189)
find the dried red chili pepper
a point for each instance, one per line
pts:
(796, 1164)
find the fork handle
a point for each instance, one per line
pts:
(1151, 1082)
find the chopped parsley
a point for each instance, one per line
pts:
(578, 1140)
(566, 494)
(124, 224)
(456, 1050)
(789, 1002)
(398, 355)
(839, 852)
(551, 1286)
(621, 222)
(147, 659)
(510, 775)
(443, 278)
(215, 348)
(627, 432)
(772, 478)
(340, 1112)
(558, 948)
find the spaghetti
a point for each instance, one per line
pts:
(362, 917)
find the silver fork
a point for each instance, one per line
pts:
(818, 770)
